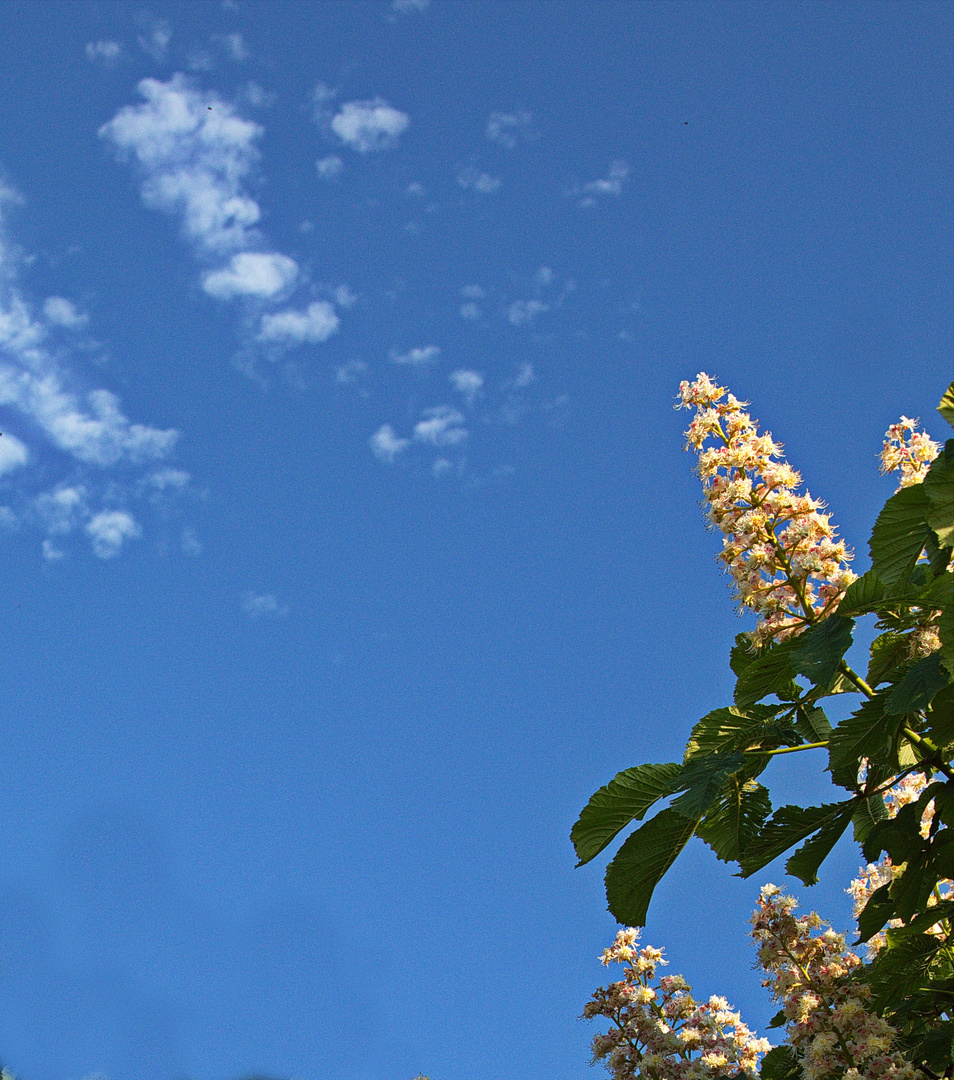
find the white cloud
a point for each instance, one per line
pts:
(252, 274)
(475, 180)
(234, 47)
(344, 297)
(522, 312)
(369, 125)
(416, 357)
(509, 128)
(330, 167)
(258, 605)
(61, 312)
(109, 530)
(107, 52)
(543, 277)
(190, 543)
(350, 372)
(317, 323)
(612, 185)
(408, 7)
(442, 427)
(155, 41)
(472, 292)
(524, 376)
(386, 444)
(467, 383)
(195, 153)
(470, 310)
(13, 454)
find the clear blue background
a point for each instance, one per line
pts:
(288, 782)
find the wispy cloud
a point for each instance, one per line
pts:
(104, 52)
(330, 167)
(522, 312)
(58, 418)
(611, 185)
(263, 605)
(195, 155)
(386, 444)
(416, 357)
(442, 426)
(509, 129)
(154, 41)
(467, 383)
(368, 126)
(409, 7)
(472, 179)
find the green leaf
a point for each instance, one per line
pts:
(940, 719)
(702, 778)
(735, 819)
(946, 407)
(641, 863)
(812, 724)
(899, 534)
(770, 672)
(736, 729)
(781, 1063)
(918, 687)
(742, 654)
(945, 626)
(818, 652)
(895, 971)
(862, 595)
(866, 733)
(887, 651)
(805, 862)
(625, 798)
(789, 826)
(876, 912)
(939, 488)
(870, 811)
(899, 836)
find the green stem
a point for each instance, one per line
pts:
(788, 749)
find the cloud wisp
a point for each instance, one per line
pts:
(594, 190)
(196, 156)
(63, 425)
(369, 126)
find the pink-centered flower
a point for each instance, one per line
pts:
(908, 451)
(778, 548)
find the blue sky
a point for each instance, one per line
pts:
(349, 545)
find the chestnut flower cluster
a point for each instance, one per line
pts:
(779, 549)
(662, 1032)
(829, 1025)
(908, 451)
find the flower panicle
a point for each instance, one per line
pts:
(908, 452)
(661, 1030)
(779, 548)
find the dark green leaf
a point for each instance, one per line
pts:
(940, 718)
(867, 733)
(862, 595)
(899, 534)
(805, 862)
(899, 836)
(735, 819)
(735, 729)
(869, 812)
(641, 862)
(769, 673)
(946, 407)
(895, 971)
(939, 488)
(818, 652)
(918, 687)
(702, 778)
(887, 651)
(812, 724)
(876, 912)
(936, 1049)
(625, 798)
(742, 654)
(780, 1063)
(790, 825)
(945, 626)
(778, 1020)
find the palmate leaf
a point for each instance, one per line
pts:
(900, 534)
(818, 652)
(812, 723)
(939, 488)
(867, 815)
(641, 863)
(625, 798)
(940, 719)
(735, 819)
(946, 408)
(862, 595)
(771, 672)
(805, 862)
(789, 826)
(867, 733)
(702, 779)
(887, 651)
(736, 729)
(918, 687)
(781, 1063)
